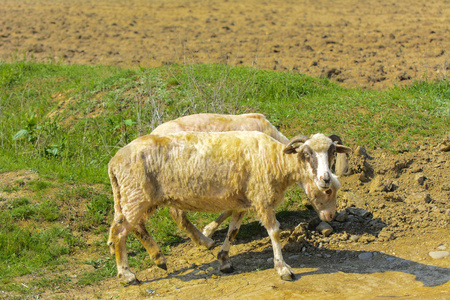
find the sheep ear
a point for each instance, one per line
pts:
(340, 148)
(336, 139)
(343, 149)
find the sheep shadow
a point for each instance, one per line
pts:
(323, 261)
(256, 254)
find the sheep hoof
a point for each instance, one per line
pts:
(210, 245)
(162, 266)
(227, 269)
(135, 281)
(288, 277)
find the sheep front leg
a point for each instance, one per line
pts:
(212, 227)
(183, 222)
(273, 228)
(118, 239)
(233, 229)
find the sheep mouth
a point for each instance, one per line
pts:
(324, 187)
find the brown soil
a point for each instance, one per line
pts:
(395, 209)
(364, 44)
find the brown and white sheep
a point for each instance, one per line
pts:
(208, 122)
(215, 172)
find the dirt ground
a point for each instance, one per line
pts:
(375, 44)
(394, 214)
(394, 209)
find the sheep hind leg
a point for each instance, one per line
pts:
(212, 227)
(233, 229)
(118, 239)
(183, 222)
(110, 242)
(150, 245)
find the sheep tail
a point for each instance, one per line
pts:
(116, 192)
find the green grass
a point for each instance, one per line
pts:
(65, 122)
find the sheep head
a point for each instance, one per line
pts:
(317, 154)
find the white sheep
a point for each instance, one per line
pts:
(221, 123)
(215, 172)
(208, 122)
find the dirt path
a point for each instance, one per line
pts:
(367, 44)
(338, 274)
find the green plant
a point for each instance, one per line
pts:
(97, 211)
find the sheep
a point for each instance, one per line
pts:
(221, 123)
(208, 122)
(215, 172)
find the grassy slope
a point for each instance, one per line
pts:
(66, 122)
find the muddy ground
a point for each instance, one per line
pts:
(375, 44)
(394, 209)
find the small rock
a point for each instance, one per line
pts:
(382, 184)
(390, 258)
(439, 254)
(445, 145)
(365, 255)
(393, 197)
(385, 235)
(416, 170)
(341, 216)
(421, 197)
(270, 260)
(294, 257)
(421, 207)
(354, 238)
(358, 212)
(293, 247)
(360, 151)
(366, 238)
(419, 178)
(343, 237)
(364, 213)
(353, 199)
(363, 177)
(442, 247)
(324, 228)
